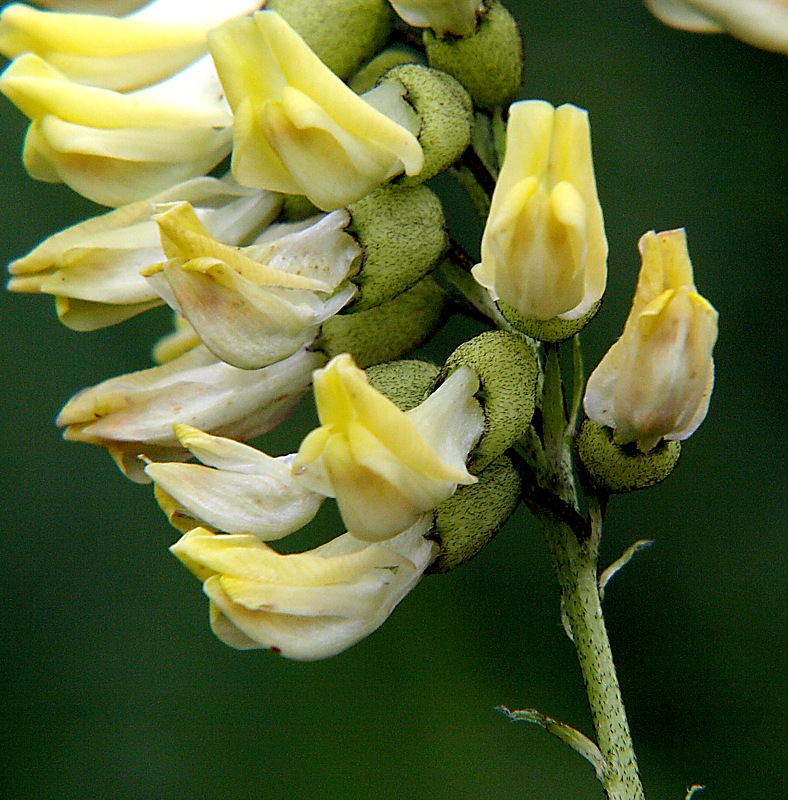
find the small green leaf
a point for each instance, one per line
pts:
(566, 733)
(620, 563)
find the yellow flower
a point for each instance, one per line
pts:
(308, 605)
(254, 305)
(544, 250)
(116, 148)
(387, 467)
(762, 23)
(125, 53)
(93, 267)
(655, 382)
(298, 129)
(457, 17)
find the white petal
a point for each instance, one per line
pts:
(267, 505)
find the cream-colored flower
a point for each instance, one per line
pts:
(308, 605)
(93, 267)
(257, 305)
(457, 17)
(387, 467)
(298, 129)
(655, 382)
(112, 52)
(762, 23)
(544, 250)
(116, 148)
(134, 414)
(239, 490)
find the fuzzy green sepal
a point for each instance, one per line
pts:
(366, 78)
(471, 517)
(508, 373)
(405, 383)
(623, 468)
(388, 331)
(547, 330)
(446, 113)
(402, 233)
(344, 33)
(489, 64)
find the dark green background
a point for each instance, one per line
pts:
(115, 689)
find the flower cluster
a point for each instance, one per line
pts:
(319, 257)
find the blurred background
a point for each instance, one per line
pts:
(115, 688)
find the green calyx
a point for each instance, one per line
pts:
(405, 383)
(508, 373)
(446, 113)
(388, 331)
(366, 78)
(623, 468)
(547, 330)
(489, 64)
(402, 233)
(471, 517)
(344, 33)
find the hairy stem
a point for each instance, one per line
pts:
(575, 563)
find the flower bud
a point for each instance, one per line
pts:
(388, 331)
(402, 235)
(471, 517)
(655, 382)
(298, 129)
(544, 250)
(343, 33)
(508, 373)
(623, 468)
(488, 63)
(387, 467)
(446, 113)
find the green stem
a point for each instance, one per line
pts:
(575, 563)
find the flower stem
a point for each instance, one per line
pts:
(575, 562)
(576, 567)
